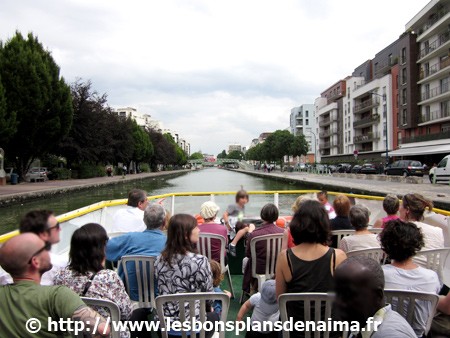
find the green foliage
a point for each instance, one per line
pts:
(61, 174)
(236, 155)
(299, 146)
(144, 167)
(143, 147)
(37, 95)
(89, 170)
(196, 156)
(223, 154)
(8, 122)
(277, 145)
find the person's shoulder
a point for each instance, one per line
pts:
(255, 298)
(394, 325)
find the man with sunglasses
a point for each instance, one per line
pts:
(26, 257)
(44, 224)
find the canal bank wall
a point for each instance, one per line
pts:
(19, 193)
(362, 184)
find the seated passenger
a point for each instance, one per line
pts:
(288, 241)
(341, 206)
(391, 204)
(209, 211)
(217, 276)
(401, 241)
(269, 214)
(130, 218)
(233, 218)
(309, 266)
(440, 327)
(360, 296)
(362, 238)
(180, 269)
(44, 224)
(322, 197)
(264, 308)
(147, 243)
(86, 274)
(26, 257)
(412, 209)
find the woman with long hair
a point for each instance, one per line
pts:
(309, 265)
(86, 274)
(180, 269)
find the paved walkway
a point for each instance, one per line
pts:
(13, 193)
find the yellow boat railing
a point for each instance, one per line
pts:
(276, 193)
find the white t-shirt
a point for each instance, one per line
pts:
(359, 242)
(263, 311)
(419, 279)
(433, 237)
(129, 219)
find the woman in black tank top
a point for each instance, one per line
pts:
(309, 266)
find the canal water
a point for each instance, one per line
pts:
(211, 179)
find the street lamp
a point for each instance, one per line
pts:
(385, 127)
(315, 146)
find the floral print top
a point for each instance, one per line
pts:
(105, 285)
(189, 273)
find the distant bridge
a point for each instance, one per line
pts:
(220, 161)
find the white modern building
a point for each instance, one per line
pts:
(303, 122)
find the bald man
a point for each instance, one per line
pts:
(26, 257)
(360, 296)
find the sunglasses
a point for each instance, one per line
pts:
(57, 227)
(46, 247)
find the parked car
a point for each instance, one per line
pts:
(332, 168)
(405, 168)
(344, 168)
(356, 168)
(37, 174)
(368, 168)
(442, 171)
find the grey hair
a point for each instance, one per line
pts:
(154, 216)
(391, 204)
(359, 216)
(374, 270)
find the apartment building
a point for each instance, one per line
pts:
(427, 132)
(303, 122)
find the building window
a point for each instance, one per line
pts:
(404, 96)
(384, 110)
(307, 122)
(403, 118)
(404, 77)
(306, 113)
(399, 137)
(403, 55)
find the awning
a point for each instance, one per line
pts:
(437, 149)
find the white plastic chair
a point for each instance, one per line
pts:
(112, 308)
(145, 279)
(404, 302)
(374, 253)
(187, 311)
(273, 244)
(204, 247)
(375, 230)
(340, 234)
(312, 300)
(435, 259)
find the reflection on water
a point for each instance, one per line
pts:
(203, 180)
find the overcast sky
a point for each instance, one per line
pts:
(216, 71)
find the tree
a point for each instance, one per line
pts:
(143, 147)
(37, 95)
(299, 146)
(8, 123)
(196, 156)
(277, 145)
(223, 154)
(236, 155)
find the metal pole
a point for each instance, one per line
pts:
(315, 145)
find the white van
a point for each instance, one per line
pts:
(442, 171)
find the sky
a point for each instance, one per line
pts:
(218, 72)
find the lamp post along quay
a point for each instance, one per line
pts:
(385, 127)
(315, 144)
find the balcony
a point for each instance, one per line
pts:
(433, 116)
(325, 145)
(441, 40)
(436, 91)
(434, 69)
(433, 19)
(369, 137)
(428, 137)
(368, 121)
(366, 105)
(328, 120)
(328, 132)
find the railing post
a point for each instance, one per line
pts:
(212, 198)
(172, 211)
(276, 199)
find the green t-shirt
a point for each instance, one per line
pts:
(25, 300)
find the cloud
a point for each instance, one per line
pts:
(218, 72)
